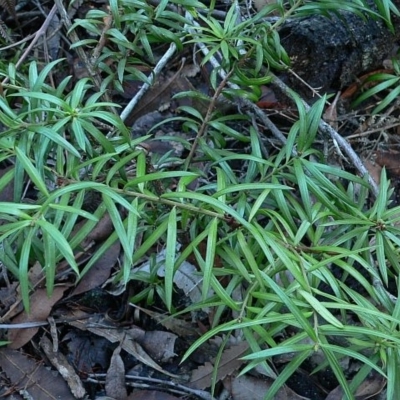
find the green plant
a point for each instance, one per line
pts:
(289, 229)
(387, 82)
(289, 244)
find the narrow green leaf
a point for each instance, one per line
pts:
(353, 354)
(79, 134)
(74, 210)
(170, 256)
(320, 309)
(302, 182)
(55, 137)
(118, 225)
(258, 203)
(24, 266)
(204, 338)
(210, 256)
(45, 97)
(153, 238)
(140, 172)
(278, 350)
(61, 243)
(380, 256)
(393, 375)
(78, 92)
(287, 372)
(30, 169)
(49, 247)
(299, 315)
(250, 257)
(337, 370)
(115, 13)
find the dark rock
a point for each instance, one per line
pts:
(330, 52)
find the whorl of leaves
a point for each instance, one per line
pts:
(3, 31)
(9, 6)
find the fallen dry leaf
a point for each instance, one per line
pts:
(86, 351)
(251, 388)
(151, 395)
(100, 270)
(230, 362)
(160, 94)
(179, 326)
(160, 345)
(8, 296)
(371, 386)
(102, 230)
(41, 306)
(35, 380)
(389, 160)
(120, 336)
(330, 114)
(60, 362)
(115, 378)
(373, 169)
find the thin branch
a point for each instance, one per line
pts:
(80, 51)
(39, 33)
(206, 120)
(146, 86)
(255, 109)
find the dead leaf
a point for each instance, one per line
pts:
(118, 336)
(102, 230)
(371, 386)
(159, 97)
(54, 37)
(373, 169)
(251, 388)
(179, 326)
(115, 378)
(41, 306)
(187, 279)
(33, 379)
(389, 160)
(230, 362)
(330, 114)
(160, 345)
(151, 395)
(362, 82)
(8, 296)
(60, 362)
(100, 270)
(87, 351)
(260, 4)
